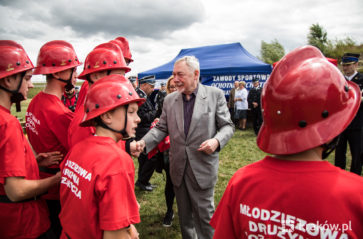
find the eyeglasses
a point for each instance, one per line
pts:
(171, 87)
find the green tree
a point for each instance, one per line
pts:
(318, 37)
(271, 52)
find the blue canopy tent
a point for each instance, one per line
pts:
(220, 66)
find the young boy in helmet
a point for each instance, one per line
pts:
(294, 193)
(23, 214)
(124, 46)
(105, 59)
(97, 186)
(47, 119)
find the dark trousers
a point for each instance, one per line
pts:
(169, 190)
(146, 169)
(257, 119)
(48, 235)
(54, 208)
(354, 138)
(234, 120)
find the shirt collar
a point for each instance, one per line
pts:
(352, 76)
(193, 94)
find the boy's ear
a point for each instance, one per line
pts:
(8, 81)
(106, 117)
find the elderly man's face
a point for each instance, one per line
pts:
(185, 79)
(350, 69)
(236, 84)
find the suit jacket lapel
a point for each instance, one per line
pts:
(199, 107)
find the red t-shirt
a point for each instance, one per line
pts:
(97, 189)
(27, 219)
(276, 198)
(82, 95)
(77, 133)
(47, 122)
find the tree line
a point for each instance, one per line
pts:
(318, 37)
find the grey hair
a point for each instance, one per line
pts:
(191, 61)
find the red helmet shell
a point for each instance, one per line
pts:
(306, 103)
(124, 44)
(56, 56)
(106, 94)
(106, 56)
(13, 59)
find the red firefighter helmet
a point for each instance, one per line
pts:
(56, 56)
(106, 56)
(13, 59)
(306, 103)
(124, 44)
(107, 94)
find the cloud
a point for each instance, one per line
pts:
(152, 19)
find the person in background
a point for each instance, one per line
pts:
(197, 120)
(24, 213)
(69, 99)
(353, 134)
(133, 79)
(294, 193)
(97, 189)
(254, 98)
(231, 102)
(162, 151)
(147, 114)
(241, 105)
(47, 119)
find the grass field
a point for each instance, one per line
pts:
(241, 150)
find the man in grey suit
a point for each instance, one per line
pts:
(198, 122)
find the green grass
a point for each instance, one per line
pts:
(241, 150)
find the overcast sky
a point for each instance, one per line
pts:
(157, 30)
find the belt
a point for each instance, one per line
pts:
(5, 199)
(49, 170)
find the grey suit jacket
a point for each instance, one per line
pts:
(210, 119)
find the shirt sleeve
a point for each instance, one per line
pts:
(222, 220)
(12, 151)
(117, 202)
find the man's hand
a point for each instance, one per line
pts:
(209, 146)
(255, 104)
(136, 148)
(49, 158)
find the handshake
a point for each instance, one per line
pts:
(137, 147)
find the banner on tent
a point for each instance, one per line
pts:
(226, 82)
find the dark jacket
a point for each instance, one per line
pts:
(147, 114)
(254, 96)
(357, 122)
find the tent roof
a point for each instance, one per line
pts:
(215, 60)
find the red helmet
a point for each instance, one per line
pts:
(56, 56)
(107, 94)
(124, 44)
(107, 56)
(13, 59)
(305, 103)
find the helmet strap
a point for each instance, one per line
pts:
(16, 96)
(123, 132)
(88, 78)
(330, 147)
(69, 86)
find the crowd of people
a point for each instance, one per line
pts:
(241, 101)
(72, 175)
